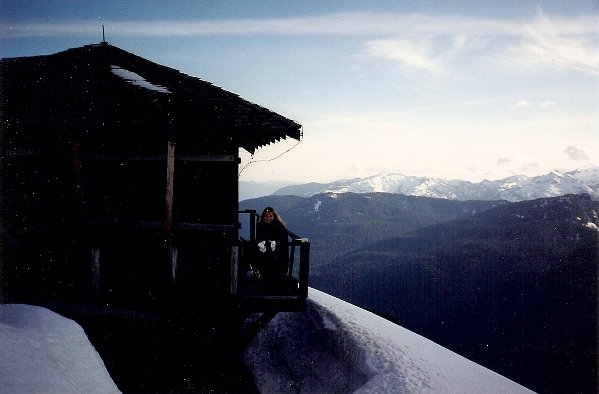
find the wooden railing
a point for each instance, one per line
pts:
(294, 244)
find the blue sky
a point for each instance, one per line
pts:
(453, 89)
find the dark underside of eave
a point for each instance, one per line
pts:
(76, 90)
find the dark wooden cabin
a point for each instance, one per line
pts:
(120, 186)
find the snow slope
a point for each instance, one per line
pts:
(331, 347)
(337, 347)
(43, 352)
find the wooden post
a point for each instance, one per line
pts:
(77, 172)
(251, 330)
(95, 273)
(170, 177)
(291, 259)
(252, 225)
(234, 269)
(304, 268)
(173, 256)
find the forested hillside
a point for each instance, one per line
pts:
(339, 223)
(513, 288)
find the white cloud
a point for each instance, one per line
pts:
(468, 42)
(546, 104)
(557, 43)
(410, 54)
(521, 104)
(526, 103)
(575, 153)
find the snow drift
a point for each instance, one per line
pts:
(43, 352)
(331, 347)
(337, 347)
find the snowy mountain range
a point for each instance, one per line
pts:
(515, 188)
(331, 347)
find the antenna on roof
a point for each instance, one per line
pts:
(103, 36)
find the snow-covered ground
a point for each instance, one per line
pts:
(43, 352)
(337, 347)
(331, 347)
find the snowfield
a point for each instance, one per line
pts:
(43, 352)
(331, 347)
(337, 347)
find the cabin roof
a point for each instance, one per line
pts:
(100, 86)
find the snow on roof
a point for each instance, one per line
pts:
(136, 79)
(43, 352)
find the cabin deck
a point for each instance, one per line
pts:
(287, 292)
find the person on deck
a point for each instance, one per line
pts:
(271, 239)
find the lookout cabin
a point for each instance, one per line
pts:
(120, 188)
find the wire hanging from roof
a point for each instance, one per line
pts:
(273, 158)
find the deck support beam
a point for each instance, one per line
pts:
(249, 332)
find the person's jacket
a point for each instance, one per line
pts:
(274, 231)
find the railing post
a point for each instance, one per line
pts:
(252, 225)
(291, 259)
(234, 269)
(304, 268)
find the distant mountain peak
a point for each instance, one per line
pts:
(514, 188)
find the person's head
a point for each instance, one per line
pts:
(269, 215)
